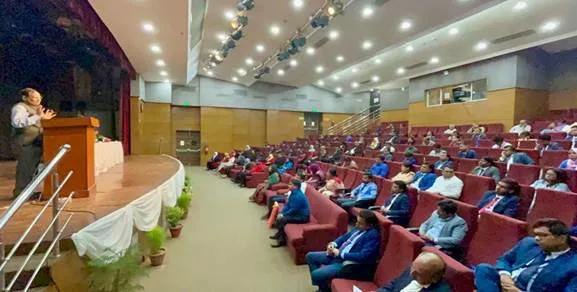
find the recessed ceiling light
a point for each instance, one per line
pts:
(401, 71)
(453, 31)
(260, 48)
(405, 25)
(209, 73)
(367, 45)
(241, 71)
(434, 60)
(160, 63)
(155, 49)
(234, 79)
(367, 11)
(249, 61)
(293, 63)
(311, 51)
(229, 15)
(402, 89)
(163, 73)
(550, 26)
(275, 29)
(148, 27)
(338, 90)
(340, 58)
(378, 61)
(320, 83)
(335, 77)
(355, 70)
(409, 49)
(333, 35)
(280, 72)
(221, 36)
(445, 72)
(520, 6)
(298, 4)
(481, 46)
(375, 78)
(319, 69)
(354, 84)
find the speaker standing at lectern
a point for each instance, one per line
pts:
(26, 119)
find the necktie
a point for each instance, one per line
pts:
(491, 204)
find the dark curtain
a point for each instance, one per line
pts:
(125, 114)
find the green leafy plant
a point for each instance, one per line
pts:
(117, 273)
(184, 200)
(174, 215)
(187, 181)
(156, 239)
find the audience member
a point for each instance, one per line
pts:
(425, 177)
(288, 165)
(525, 136)
(487, 167)
(500, 143)
(503, 200)
(553, 179)
(280, 198)
(436, 151)
(295, 211)
(511, 155)
(375, 144)
(379, 168)
(406, 174)
(572, 136)
(336, 158)
(362, 196)
(562, 127)
(397, 207)
(466, 152)
(445, 160)
(324, 155)
(455, 140)
(353, 255)
(551, 128)
(227, 164)
(254, 168)
(476, 128)
(356, 150)
(431, 136)
(444, 229)
(410, 159)
(214, 161)
(545, 262)
(450, 131)
(428, 142)
(571, 162)
(333, 183)
(448, 184)
(349, 139)
(349, 163)
(477, 136)
(544, 144)
(523, 126)
(259, 194)
(425, 274)
(270, 159)
(387, 151)
(395, 139)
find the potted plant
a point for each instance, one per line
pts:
(156, 239)
(186, 183)
(173, 217)
(117, 273)
(183, 202)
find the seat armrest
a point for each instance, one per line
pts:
(278, 186)
(316, 237)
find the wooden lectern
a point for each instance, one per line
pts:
(80, 134)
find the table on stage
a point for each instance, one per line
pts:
(107, 155)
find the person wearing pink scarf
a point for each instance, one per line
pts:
(570, 163)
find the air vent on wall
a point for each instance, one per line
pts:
(414, 66)
(301, 96)
(513, 36)
(321, 42)
(365, 82)
(241, 92)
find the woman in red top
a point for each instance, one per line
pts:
(260, 166)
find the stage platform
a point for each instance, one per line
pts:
(115, 189)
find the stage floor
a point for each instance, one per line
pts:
(115, 188)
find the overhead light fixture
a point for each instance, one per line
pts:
(166, 80)
(409, 49)
(550, 26)
(340, 58)
(280, 72)
(260, 48)
(229, 15)
(293, 63)
(354, 70)
(163, 73)
(148, 27)
(311, 51)
(354, 84)
(520, 6)
(434, 60)
(282, 55)
(241, 71)
(453, 31)
(368, 11)
(338, 90)
(245, 5)
(405, 25)
(228, 45)
(401, 71)
(375, 78)
(402, 89)
(333, 35)
(298, 4)
(378, 61)
(274, 29)
(239, 21)
(320, 83)
(261, 72)
(249, 61)
(481, 46)
(446, 72)
(155, 49)
(367, 45)
(320, 21)
(160, 63)
(319, 69)
(298, 42)
(335, 7)
(335, 77)
(234, 79)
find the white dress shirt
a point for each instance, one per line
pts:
(520, 129)
(414, 286)
(21, 119)
(450, 188)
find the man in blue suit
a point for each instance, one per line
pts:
(397, 207)
(544, 263)
(380, 167)
(425, 177)
(503, 200)
(512, 155)
(357, 252)
(425, 274)
(295, 211)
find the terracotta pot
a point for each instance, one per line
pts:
(157, 259)
(175, 231)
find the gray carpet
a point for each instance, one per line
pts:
(225, 246)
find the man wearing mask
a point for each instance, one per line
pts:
(26, 120)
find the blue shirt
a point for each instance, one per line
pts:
(542, 184)
(435, 231)
(470, 154)
(379, 169)
(297, 205)
(365, 191)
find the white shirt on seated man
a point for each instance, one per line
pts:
(523, 126)
(448, 184)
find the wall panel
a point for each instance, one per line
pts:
(283, 125)
(563, 99)
(336, 118)
(395, 115)
(531, 104)
(156, 129)
(135, 124)
(185, 118)
(249, 128)
(216, 128)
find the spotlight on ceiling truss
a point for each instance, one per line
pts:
(228, 45)
(237, 35)
(245, 5)
(335, 7)
(320, 21)
(260, 72)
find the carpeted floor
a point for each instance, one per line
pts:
(225, 246)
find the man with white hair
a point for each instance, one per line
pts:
(523, 126)
(425, 274)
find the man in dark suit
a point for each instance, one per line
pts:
(503, 200)
(397, 207)
(352, 256)
(546, 262)
(425, 274)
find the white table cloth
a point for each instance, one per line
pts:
(107, 155)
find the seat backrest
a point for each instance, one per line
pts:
(394, 168)
(495, 153)
(553, 158)
(524, 174)
(495, 235)
(286, 178)
(402, 248)
(398, 156)
(534, 154)
(525, 198)
(426, 205)
(350, 178)
(325, 211)
(571, 179)
(481, 152)
(486, 143)
(466, 165)
(384, 192)
(475, 187)
(413, 198)
(459, 277)
(469, 213)
(554, 204)
(341, 172)
(527, 145)
(379, 182)
(385, 225)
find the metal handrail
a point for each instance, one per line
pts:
(345, 121)
(361, 122)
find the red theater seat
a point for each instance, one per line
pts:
(475, 187)
(402, 248)
(459, 277)
(255, 179)
(495, 235)
(466, 165)
(526, 145)
(571, 179)
(525, 197)
(351, 178)
(550, 203)
(524, 174)
(394, 168)
(426, 205)
(553, 158)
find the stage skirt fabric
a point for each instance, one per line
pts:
(110, 235)
(107, 155)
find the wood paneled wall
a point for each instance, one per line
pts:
(185, 118)
(395, 115)
(135, 124)
(563, 99)
(333, 117)
(497, 108)
(157, 136)
(283, 125)
(531, 104)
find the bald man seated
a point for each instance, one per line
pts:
(425, 274)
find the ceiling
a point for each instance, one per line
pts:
(505, 26)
